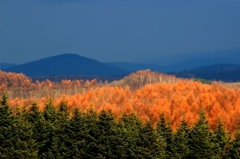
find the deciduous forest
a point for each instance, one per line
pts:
(143, 115)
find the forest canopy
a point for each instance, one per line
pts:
(144, 93)
(145, 114)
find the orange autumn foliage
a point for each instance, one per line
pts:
(20, 86)
(13, 80)
(181, 100)
(146, 93)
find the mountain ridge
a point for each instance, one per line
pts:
(218, 56)
(187, 62)
(217, 72)
(66, 64)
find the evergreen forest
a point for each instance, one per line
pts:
(57, 133)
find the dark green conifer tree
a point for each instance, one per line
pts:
(121, 135)
(35, 117)
(93, 134)
(235, 146)
(222, 141)
(201, 139)
(129, 136)
(25, 146)
(16, 134)
(76, 137)
(107, 135)
(164, 129)
(50, 118)
(58, 146)
(6, 127)
(181, 141)
(152, 144)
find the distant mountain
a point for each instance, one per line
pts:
(192, 63)
(218, 72)
(217, 67)
(231, 56)
(133, 67)
(6, 65)
(67, 64)
(178, 67)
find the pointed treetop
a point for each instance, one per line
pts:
(4, 99)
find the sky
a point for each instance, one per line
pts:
(142, 31)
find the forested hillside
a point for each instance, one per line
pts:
(144, 114)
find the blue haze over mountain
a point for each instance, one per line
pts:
(72, 63)
(231, 56)
(73, 66)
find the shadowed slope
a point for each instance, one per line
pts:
(66, 64)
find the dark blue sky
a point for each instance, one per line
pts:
(148, 31)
